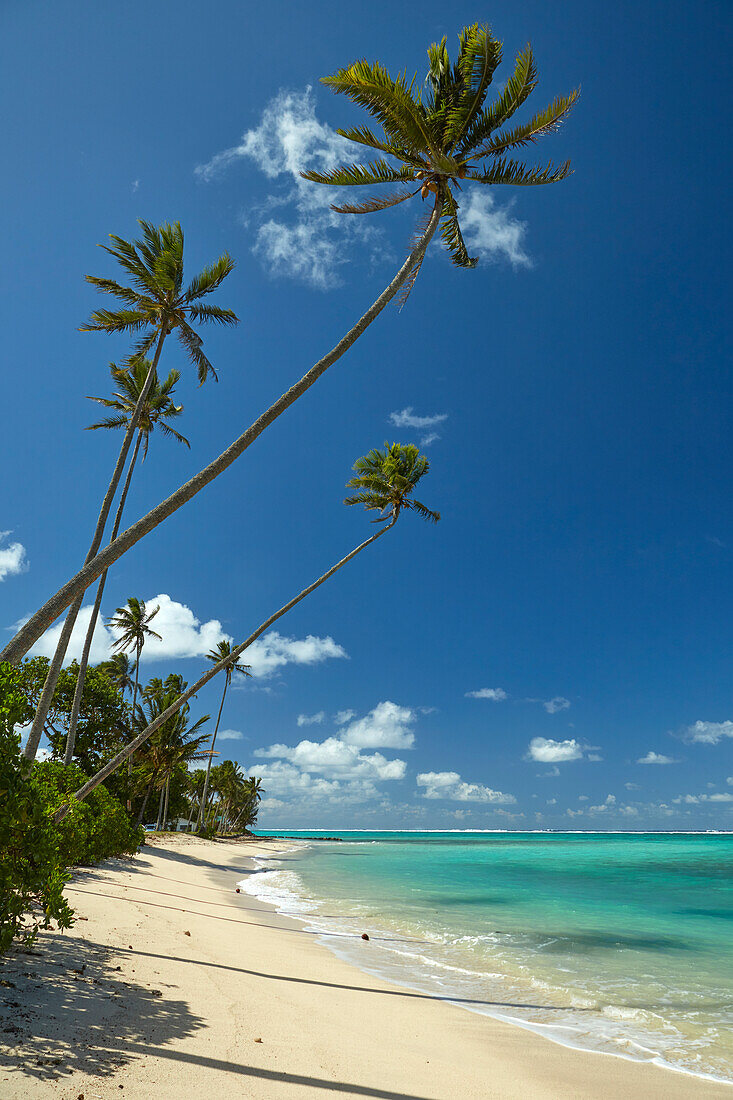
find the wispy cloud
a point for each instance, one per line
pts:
(708, 733)
(497, 695)
(305, 239)
(449, 785)
(13, 559)
(552, 706)
(406, 418)
(230, 735)
(312, 719)
(490, 231)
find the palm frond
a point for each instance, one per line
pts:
(356, 175)
(193, 344)
(166, 429)
(370, 206)
(122, 320)
(109, 421)
(207, 312)
(478, 59)
(390, 101)
(453, 240)
(544, 122)
(364, 136)
(426, 513)
(520, 84)
(210, 278)
(520, 175)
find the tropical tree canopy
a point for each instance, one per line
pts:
(133, 622)
(442, 134)
(157, 303)
(158, 407)
(386, 480)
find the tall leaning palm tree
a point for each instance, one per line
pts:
(158, 408)
(220, 652)
(154, 304)
(385, 482)
(430, 141)
(133, 622)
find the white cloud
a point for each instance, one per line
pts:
(343, 716)
(709, 733)
(449, 785)
(311, 719)
(183, 635)
(407, 419)
(489, 230)
(273, 650)
(335, 759)
(552, 706)
(729, 780)
(497, 695)
(313, 243)
(230, 735)
(546, 751)
(12, 558)
(387, 726)
(694, 799)
(632, 786)
(656, 758)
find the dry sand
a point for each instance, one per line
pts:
(174, 986)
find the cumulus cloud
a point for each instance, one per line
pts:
(695, 799)
(311, 719)
(490, 231)
(656, 758)
(552, 706)
(709, 733)
(387, 726)
(183, 635)
(449, 785)
(343, 716)
(406, 418)
(305, 239)
(497, 695)
(335, 759)
(13, 559)
(546, 751)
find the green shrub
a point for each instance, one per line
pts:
(98, 827)
(32, 868)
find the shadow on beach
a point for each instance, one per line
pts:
(65, 1009)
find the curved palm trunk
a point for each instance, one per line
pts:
(82, 675)
(160, 809)
(227, 662)
(32, 630)
(148, 792)
(213, 743)
(54, 669)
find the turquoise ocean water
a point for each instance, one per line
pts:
(621, 943)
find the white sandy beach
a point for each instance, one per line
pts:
(176, 986)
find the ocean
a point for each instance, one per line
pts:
(615, 942)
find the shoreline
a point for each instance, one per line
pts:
(153, 991)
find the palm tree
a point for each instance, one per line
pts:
(449, 124)
(157, 408)
(437, 138)
(219, 653)
(133, 621)
(175, 745)
(385, 481)
(120, 670)
(153, 307)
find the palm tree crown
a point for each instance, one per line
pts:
(158, 407)
(120, 670)
(134, 623)
(438, 138)
(156, 303)
(220, 652)
(387, 479)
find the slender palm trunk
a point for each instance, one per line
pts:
(227, 662)
(213, 743)
(54, 669)
(82, 674)
(42, 619)
(148, 792)
(160, 808)
(165, 807)
(190, 817)
(138, 651)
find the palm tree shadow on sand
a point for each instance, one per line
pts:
(65, 1009)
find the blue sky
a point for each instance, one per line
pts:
(576, 382)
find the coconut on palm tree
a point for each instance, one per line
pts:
(154, 305)
(385, 482)
(157, 409)
(219, 653)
